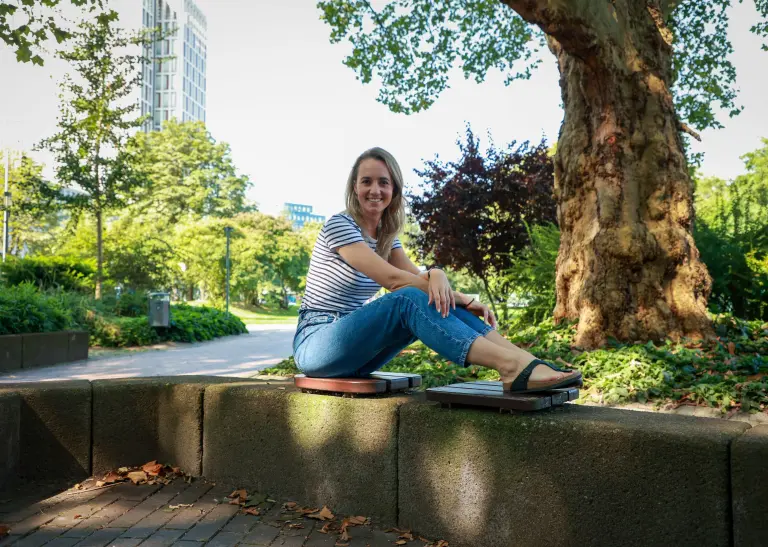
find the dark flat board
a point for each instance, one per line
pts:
(394, 383)
(492, 394)
(559, 395)
(414, 380)
(341, 385)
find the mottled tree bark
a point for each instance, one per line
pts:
(628, 267)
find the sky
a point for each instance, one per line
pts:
(296, 118)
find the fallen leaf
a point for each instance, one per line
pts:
(78, 486)
(357, 521)
(731, 348)
(176, 470)
(251, 511)
(271, 500)
(77, 517)
(4, 530)
(400, 542)
(111, 477)
(289, 505)
(122, 470)
(307, 510)
(180, 505)
(407, 536)
(235, 501)
(295, 525)
(345, 536)
(242, 493)
(137, 476)
(99, 484)
(153, 468)
(323, 514)
(326, 529)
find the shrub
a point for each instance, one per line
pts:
(49, 272)
(531, 277)
(25, 309)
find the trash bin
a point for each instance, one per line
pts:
(159, 309)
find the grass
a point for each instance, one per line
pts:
(729, 373)
(263, 315)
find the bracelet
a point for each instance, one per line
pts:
(429, 270)
(468, 303)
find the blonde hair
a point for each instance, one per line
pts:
(393, 218)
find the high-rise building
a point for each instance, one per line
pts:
(300, 214)
(174, 81)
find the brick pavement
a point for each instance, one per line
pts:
(130, 516)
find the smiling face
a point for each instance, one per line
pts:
(373, 187)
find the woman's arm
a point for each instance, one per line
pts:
(399, 259)
(363, 259)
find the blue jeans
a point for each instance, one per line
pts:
(336, 344)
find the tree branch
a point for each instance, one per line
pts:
(572, 23)
(685, 128)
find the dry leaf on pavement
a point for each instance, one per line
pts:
(180, 505)
(4, 530)
(406, 535)
(111, 477)
(323, 514)
(400, 542)
(137, 476)
(251, 511)
(153, 468)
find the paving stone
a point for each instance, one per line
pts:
(123, 542)
(102, 519)
(241, 524)
(293, 538)
(211, 523)
(186, 544)
(187, 518)
(138, 492)
(163, 538)
(54, 504)
(39, 537)
(383, 539)
(31, 523)
(147, 525)
(149, 505)
(68, 542)
(74, 516)
(225, 539)
(261, 534)
(100, 538)
(318, 539)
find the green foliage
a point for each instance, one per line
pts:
(37, 23)
(49, 272)
(728, 373)
(188, 175)
(531, 278)
(732, 237)
(188, 324)
(411, 46)
(23, 308)
(34, 208)
(94, 123)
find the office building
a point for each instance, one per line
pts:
(300, 214)
(174, 80)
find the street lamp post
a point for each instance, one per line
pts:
(6, 210)
(228, 231)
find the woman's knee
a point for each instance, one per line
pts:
(413, 294)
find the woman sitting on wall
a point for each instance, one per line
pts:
(358, 252)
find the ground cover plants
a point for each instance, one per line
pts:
(729, 372)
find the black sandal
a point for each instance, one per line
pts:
(520, 384)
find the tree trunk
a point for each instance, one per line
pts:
(490, 295)
(190, 292)
(628, 267)
(99, 253)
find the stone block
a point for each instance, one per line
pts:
(10, 419)
(10, 352)
(43, 349)
(136, 420)
(77, 350)
(55, 429)
(316, 449)
(569, 476)
(749, 480)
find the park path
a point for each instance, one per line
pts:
(240, 356)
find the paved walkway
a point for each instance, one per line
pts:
(179, 514)
(240, 356)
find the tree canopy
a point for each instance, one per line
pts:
(410, 47)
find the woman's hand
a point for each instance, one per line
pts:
(440, 292)
(481, 310)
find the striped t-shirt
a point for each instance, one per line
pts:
(332, 284)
